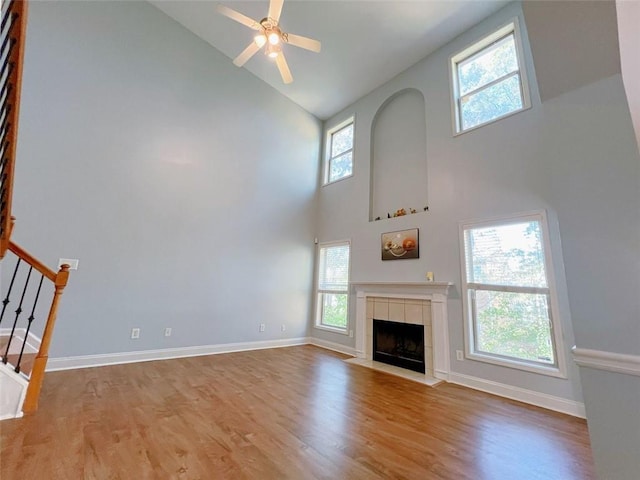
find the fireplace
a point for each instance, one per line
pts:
(399, 344)
(414, 303)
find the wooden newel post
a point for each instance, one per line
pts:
(40, 363)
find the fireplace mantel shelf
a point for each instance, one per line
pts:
(404, 284)
(418, 288)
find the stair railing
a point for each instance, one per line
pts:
(28, 294)
(13, 27)
(12, 35)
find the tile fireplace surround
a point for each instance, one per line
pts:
(423, 303)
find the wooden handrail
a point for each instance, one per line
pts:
(33, 261)
(17, 9)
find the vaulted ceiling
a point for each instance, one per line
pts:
(364, 43)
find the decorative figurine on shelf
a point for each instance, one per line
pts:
(412, 210)
(376, 219)
(426, 208)
(388, 215)
(399, 213)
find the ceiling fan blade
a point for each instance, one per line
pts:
(246, 54)
(285, 73)
(238, 17)
(302, 42)
(275, 9)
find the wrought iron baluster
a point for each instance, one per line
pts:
(6, 300)
(7, 15)
(6, 70)
(6, 89)
(5, 42)
(5, 359)
(30, 321)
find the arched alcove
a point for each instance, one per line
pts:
(399, 155)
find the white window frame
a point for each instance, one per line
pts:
(329, 158)
(560, 368)
(318, 292)
(513, 27)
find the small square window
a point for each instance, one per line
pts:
(339, 152)
(488, 80)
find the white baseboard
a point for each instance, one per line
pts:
(607, 361)
(32, 345)
(88, 361)
(550, 402)
(336, 347)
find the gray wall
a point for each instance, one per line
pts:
(613, 415)
(185, 186)
(574, 156)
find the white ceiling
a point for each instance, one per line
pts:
(364, 43)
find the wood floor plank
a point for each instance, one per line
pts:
(291, 413)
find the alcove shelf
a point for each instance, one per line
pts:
(399, 156)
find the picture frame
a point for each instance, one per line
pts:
(400, 245)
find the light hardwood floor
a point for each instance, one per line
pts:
(288, 413)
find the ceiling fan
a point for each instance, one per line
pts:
(269, 36)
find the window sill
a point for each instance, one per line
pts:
(550, 371)
(341, 331)
(526, 107)
(338, 180)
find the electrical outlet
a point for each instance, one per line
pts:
(262, 327)
(167, 332)
(283, 327)
(135, 333)
(459, 355)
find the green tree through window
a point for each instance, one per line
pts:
(488, 83)
(333, 285)
(340, 153)
(508, 292)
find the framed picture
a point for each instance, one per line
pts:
(400, 245)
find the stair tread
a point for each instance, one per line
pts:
(26, 365)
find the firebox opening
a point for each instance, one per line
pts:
(399, 344)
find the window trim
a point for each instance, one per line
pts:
(328, 158)
(513, 26)
(557, 337)
(317, 321)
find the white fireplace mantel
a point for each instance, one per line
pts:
(435, 292)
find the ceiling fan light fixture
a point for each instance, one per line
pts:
(260, 39)
(272, 51)
(269, 38)
(274, 38)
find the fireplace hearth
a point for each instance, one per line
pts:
(399, 344)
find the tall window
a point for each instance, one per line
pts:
(333, 286)
(339, 152)
(510, 301)
(488, 80)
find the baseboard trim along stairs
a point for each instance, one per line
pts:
(13, 390)
(13, 386)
